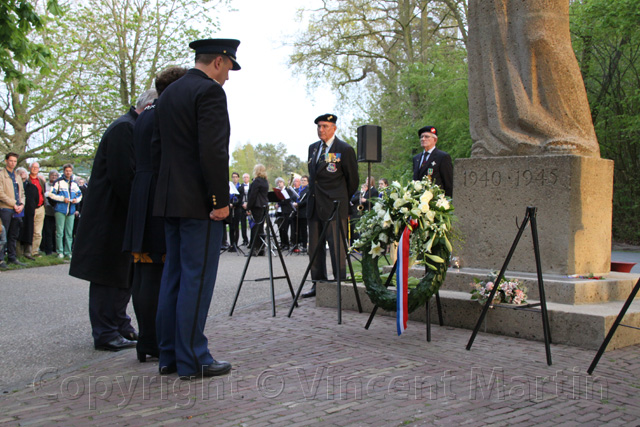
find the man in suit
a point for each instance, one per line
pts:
(333, 175)
(301, 207)
(243, 189)
(433, 162)
(191, 143)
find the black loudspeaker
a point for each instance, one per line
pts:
(370, 144)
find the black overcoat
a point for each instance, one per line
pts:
(331, 181)
(440, 166)
(144, 232)
(97, 252)
(30, 203)
(191, 145)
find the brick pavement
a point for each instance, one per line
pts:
(307, 369)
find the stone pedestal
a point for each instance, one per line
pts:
(573, 195)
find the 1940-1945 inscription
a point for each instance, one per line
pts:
(511, 178)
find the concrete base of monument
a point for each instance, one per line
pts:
(582, 323)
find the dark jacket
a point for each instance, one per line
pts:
(257, 198)
(303, 200)
(191, 145)
(30, 204)
(144, 233)
(97, 252)
(439, 166)
(331, 181)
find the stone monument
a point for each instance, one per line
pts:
(533, 145)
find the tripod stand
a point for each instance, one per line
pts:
(271, 237)
(339, 234)
(529, 216)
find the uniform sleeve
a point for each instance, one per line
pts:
(351, 171)
(446, 173)
(213, 142)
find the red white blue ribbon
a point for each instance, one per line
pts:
(402, 282)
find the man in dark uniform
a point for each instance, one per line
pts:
(433, 162)
(97, 250)
(333, 175)
(191, 143)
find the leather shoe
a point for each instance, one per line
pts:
(310, 294)
(3, 265)
(213, 370)
(29, 257)
(131, 336)
(16, 262)
(167, 370)
(116, 344)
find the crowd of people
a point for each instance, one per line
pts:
(39, 215)
(153, 224)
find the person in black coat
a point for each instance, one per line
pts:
(433, 162)
(144, 233)
(301, 206)
(191, 145)
(333, 175)
(257, 202)
(31, 202)
(97, 251)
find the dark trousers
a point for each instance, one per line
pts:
(283, 230)
(12, 228)
(319, 267)
(108, 313)
(257, 230)
(243, 226)
(144, 295)
(237, 216)
(188, 279)
(301, 232)
(49, 235)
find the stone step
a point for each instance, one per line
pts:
(561, 289)
(584, 325)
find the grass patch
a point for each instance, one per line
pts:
(43, 261)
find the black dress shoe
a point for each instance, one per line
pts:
(29, 257)
(16, 262)
(116, 344)
(310, 294)
(213, 370)
(132, 336)
(167, 370)
(142, 356)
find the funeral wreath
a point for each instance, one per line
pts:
(422, 206)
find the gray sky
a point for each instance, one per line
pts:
(266, 103)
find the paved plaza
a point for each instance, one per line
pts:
(302, 370)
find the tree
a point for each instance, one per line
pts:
(606, 38)
(274, 157)
(106, 53)
(17, 20)
(399, 62)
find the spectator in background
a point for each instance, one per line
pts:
(301, 207)
(257, 200)
(67, 195)
(25, 239)
(244, 194)
(12, 200)
(49, 228)
(38, 220)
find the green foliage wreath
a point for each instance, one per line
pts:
(424, 206)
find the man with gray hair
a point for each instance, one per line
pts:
(97, 253)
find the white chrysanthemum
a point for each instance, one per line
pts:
(398, 203)
(407, 196)
(424, 207)
(442, 202)
(417, 185)
(431, 215)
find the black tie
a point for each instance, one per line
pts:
(323, 153)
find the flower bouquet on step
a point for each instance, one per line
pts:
(510, 291)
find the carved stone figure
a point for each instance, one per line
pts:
(526, 93)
